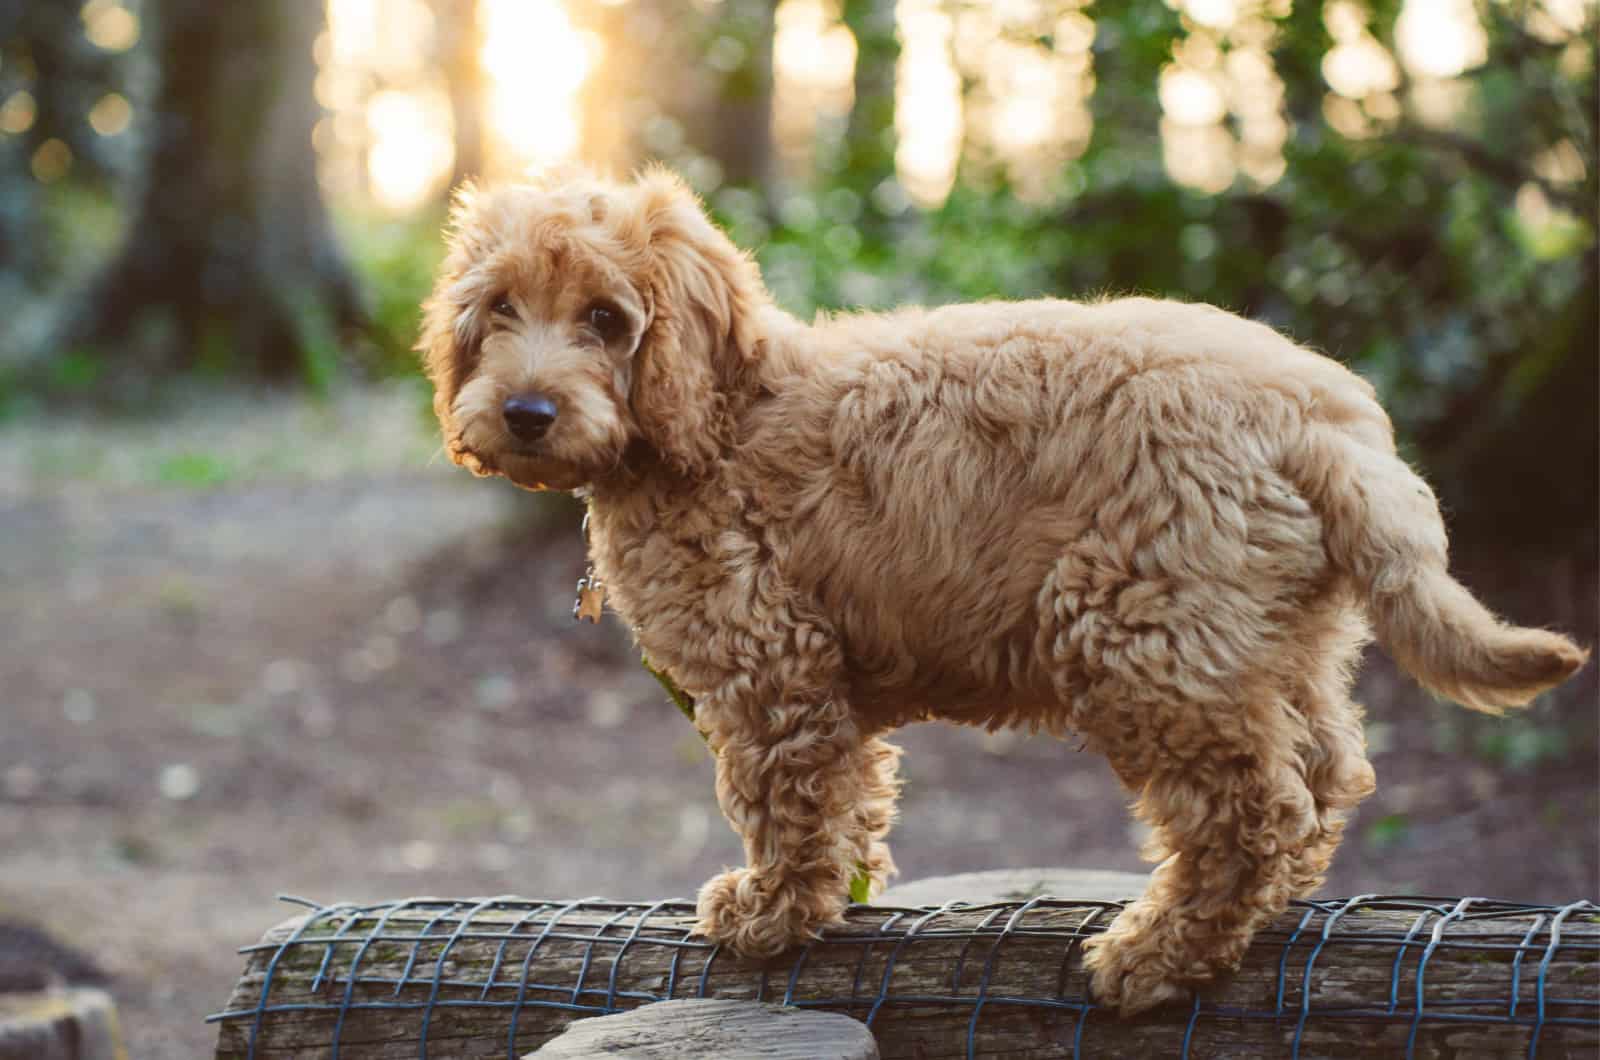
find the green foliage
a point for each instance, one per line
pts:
(317, 340)
(1516, 743)
(80, 223)
(1388, 831)
(395, 259)
(1520, 743)
(214, 354)
(76, 371)
(196, 470)
(1405, 254)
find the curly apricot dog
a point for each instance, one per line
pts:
(1156, 525)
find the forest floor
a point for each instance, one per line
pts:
(260, 645)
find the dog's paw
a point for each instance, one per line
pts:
(1128, 977)
(753, 916)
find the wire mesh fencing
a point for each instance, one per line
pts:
(1371, 975)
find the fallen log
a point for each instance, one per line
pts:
(1367, 976)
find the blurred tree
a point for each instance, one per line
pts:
(47, 60)
(45, 51)
(869, 139)
(1414, 251)
(733, 123)
(230, 260)
(460, 43)
(690, 84)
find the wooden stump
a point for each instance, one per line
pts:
(70, 1024)
(714, 1030)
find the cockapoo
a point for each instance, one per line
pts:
(1157, 526)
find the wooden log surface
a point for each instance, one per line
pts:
(1338, 978)
(714, 1029)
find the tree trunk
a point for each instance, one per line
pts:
(230, 257)
(1521, 471)
(727, 112)
(43, 49)
(869, 138)
(707, 73)
(460, 44)
(735, 128)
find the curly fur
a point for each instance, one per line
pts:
(1156, 525)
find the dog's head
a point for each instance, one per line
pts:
(574, 318)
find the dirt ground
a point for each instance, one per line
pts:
(259, 645)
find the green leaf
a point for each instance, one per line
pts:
(680, 699)
(861, 885)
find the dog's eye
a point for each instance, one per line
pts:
(502, 307)
(606, 320)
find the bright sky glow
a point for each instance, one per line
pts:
(110, 26)
(536, 62)
(1440, 38)
(928, 114)
(111, 114)
(813, 72)
(18, 112)
(1007, 84)
(1221, 69)
(411, 151)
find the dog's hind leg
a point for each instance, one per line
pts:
(1230, 804)
(812, 799)
(1335, 761)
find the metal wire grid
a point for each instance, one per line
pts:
(609, 931)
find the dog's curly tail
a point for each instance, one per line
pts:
(1382, 527)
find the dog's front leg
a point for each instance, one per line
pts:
(812, 800)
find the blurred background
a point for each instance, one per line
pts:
(259, 637)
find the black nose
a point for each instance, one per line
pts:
(529, 416)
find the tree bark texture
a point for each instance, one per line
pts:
(230, 254)
(735, 126)
(869, 137)
(460, 45)
(1364, 977)
(676, 82)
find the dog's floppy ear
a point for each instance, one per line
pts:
(702, 338)
(453, 323)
